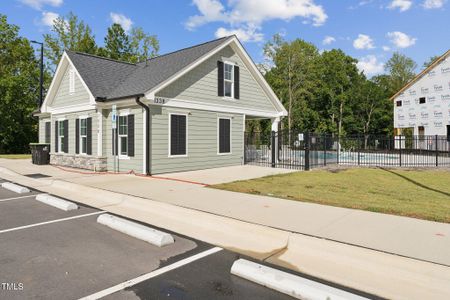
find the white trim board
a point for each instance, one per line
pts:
(188, 104)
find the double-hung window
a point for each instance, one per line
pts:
(228, 80)
(177, 135)
(224, 136)
(123, 135)
(61, 136)
(83, 135)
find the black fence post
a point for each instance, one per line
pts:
(325, 141)
(437, 150)
(273, 148)
(400, 149)
(307, 146)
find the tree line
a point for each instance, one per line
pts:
(322, 91)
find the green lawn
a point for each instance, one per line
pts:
(15, 156)
(423, 194)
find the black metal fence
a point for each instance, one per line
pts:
(303, 151)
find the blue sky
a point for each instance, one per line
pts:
(369, 30)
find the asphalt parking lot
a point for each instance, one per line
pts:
(47, 253)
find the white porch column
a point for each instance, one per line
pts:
(275, 123)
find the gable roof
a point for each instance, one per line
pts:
(109, 79)
(421, 74)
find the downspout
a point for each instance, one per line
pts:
(147, 134)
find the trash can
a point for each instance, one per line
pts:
(40, 153)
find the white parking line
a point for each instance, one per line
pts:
(14, 198)
(147, 276)
(50, 222)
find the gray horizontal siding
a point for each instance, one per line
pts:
(200, 85)
(134, 163)
(64, 98)
(202, 142)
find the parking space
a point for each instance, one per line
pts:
(206, 278)
(47, 253)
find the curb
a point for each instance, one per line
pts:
(147, 234)
(15, 188)
(56, 202)
(289, 284)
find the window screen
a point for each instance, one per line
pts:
(224, 135)
(178, 135)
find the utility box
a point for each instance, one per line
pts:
(40, 153)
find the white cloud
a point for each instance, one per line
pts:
(242, 15)
(386, 48)
(328, 40)
(38, 4)
(363, 42)
(124, 21)
(370, 65)
(401, 40)
(433, 4)
(48, 18)
(245, 35)
(402, 5)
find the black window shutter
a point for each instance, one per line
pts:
(47, 132)
(220, 82)
(224, 136)
(178, 135)
(131, 135)
(236, 82)
(66, 136)
(56, 136)
(89, 136)
(77, 136)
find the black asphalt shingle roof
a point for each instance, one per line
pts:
(111, 79)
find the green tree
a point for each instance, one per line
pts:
(370, 106)
(117, 43)
(339, 76)
(19, 90)
(431, 60)
(134, 47)
(293, 77)
(401, 70)
(142, 45)
(68, 33)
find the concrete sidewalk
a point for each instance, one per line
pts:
(414, 238)
(379, 273)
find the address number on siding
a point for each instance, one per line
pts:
(159, 100)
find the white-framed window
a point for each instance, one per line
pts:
(123, 136)
(71, 81)
(223, 135)
(83, 136)
(178, 135)
(61, 137)
(228, 81)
